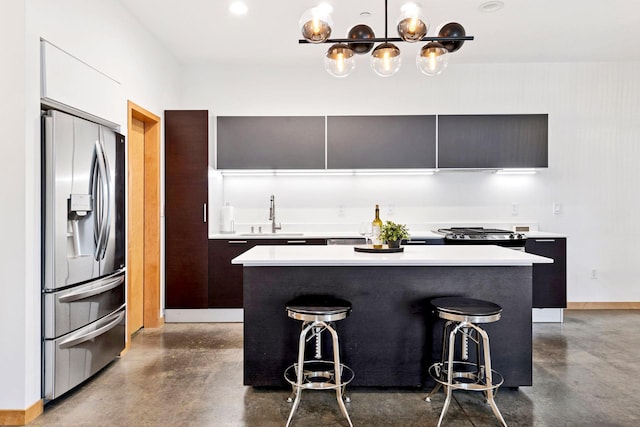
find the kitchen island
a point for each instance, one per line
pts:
(391, 337)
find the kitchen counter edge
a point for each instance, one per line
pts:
(429, 255)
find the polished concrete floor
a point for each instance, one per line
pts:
(586, 373)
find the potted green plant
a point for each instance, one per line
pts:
(393, 233)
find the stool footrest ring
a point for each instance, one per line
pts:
(465, 379)
(319, 375)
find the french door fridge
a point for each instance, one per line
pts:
(83, 284)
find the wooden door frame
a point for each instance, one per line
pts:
(151, 268)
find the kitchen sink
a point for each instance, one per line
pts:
(270, 234)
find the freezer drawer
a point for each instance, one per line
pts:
(73, 358)
(68, 310)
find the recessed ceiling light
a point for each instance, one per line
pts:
(324, 8)
(238, 8)
(410, 6)
(491, 6)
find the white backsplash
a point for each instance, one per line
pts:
(341, 203)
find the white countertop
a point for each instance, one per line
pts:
(313, 235)
(428, 255)
(415, 235)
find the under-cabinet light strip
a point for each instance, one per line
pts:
(365, 172)
(516, 171)
(335, 172)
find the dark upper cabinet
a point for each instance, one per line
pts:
(493, 141)
(270, 142)
(186, 244)
(381, 142)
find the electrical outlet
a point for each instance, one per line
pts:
(515, 209)
(556, 208)
(594, 274)
(341, 211)
(390, 210)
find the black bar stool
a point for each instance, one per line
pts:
(318, 313)
(462, 315)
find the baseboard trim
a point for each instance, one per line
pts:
(547, 315)
(621, 305)
(203, 315)
(21, 417)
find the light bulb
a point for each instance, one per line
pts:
(411, 27)
(432, 59)
(385, 59)
(340, 63)
(413, 22)
(339, 60)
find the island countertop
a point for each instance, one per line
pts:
(429, 255)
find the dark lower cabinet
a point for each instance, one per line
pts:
(186, 189)
(549, 280)
(225, 279)
(419, 242)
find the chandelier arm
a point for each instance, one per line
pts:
(393, 39)
(386, 21)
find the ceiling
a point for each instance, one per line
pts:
(203, 31)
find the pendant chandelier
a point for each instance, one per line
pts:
(316, 25)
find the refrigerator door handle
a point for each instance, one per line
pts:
(102, 197)
(107, 178)
(73, 341)
(94, 188)
(105, 286)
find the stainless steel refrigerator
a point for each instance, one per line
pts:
(83, 284)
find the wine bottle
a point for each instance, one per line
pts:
(376, 226)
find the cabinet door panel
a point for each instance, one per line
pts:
(549, 280)
(270, 142)
(225, 279)
(186, 146)
(381, 142)
(493, 141)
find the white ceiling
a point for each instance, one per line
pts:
(198, 31)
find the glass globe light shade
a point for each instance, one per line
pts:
(315, 24)
(361, 32)
(432, 59)
(339, 60)
(411, 26)
(452, 29)
(385, 60)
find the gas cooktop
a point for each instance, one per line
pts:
(480, 234)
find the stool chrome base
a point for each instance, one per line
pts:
(464, 379)
(453, 374)
(318, 374)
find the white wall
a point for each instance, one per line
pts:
(16, 231)
(103, 35)
(593, 132)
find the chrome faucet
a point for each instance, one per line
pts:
(272, 215)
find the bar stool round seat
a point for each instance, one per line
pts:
(316, 308)
(473, 310)
(318, 313)
(462, 315)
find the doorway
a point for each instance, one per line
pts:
(143, 244)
